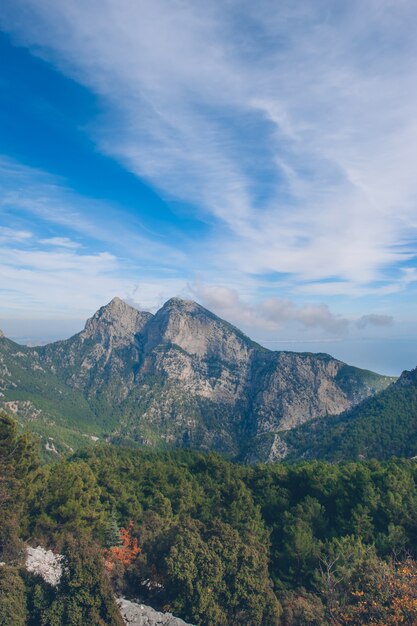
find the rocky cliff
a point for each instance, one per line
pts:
(380, 427)
(182, 377)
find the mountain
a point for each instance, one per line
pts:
(379, 427)
(181, 377)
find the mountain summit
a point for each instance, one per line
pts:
(116, 321)
(181, 377)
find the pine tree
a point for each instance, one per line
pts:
(112, 536)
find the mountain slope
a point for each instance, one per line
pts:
(380, 427)
(38, 399)
(181, 377)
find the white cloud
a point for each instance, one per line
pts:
(60, 242)
(59, 277)
(270, 314)
(314, 320)
(50, 202)
(8, 235)
(294, 125)
(70, 284)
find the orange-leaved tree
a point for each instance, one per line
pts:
(125, 553)
(386, 597)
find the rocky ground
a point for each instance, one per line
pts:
(140, 615)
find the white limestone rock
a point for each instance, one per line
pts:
(45, 564)
(135, 614)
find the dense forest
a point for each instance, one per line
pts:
(214, 542)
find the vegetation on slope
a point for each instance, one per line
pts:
(43, 403)
(219, 543)
(380, 427)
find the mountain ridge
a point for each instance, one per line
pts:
(380, 427)
(181, 377)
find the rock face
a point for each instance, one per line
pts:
(407, 378)
(114, 325)
(380, 427)
(185, 377)
(103, 354)
(44, 563)
(135, 614)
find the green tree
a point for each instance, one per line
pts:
(12, 597)
(112, 532)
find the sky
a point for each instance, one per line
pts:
(259, 158)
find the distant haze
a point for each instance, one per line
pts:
(39, 332)
(387, 356)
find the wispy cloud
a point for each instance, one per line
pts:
(315, 321)
(42, 283)
(374, 319)
(88, 263)
(290, 125)
(31, 192)
(60, 242)
(11, 234)
(270, 314)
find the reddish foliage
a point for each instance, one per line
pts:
(124, 554)
(387, 598)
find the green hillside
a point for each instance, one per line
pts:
(44, 404)
(380, 427)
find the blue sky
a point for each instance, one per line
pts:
(257, 157)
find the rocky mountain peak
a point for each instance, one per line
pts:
(115, 303)
(182, 306)
(407, 378)
(1, 334)
(117, 321)
(183, 376)
(196, 330)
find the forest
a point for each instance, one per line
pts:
(214, 542)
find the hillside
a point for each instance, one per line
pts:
(215, 543)
(182, 377)
(380, 427)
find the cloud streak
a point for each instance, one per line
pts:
(291, 127)
(72, 274)
(281, 314)
(34, 193)
(270, 314)
(374, 319)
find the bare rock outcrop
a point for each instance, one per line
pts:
(135, 614)
(44, 563)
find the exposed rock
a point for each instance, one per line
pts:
(266, 448)
(45, 564)
(48, 566)
(187, 378)
(407, 378)
(135, 614)
(50, 446)
(115, 324)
